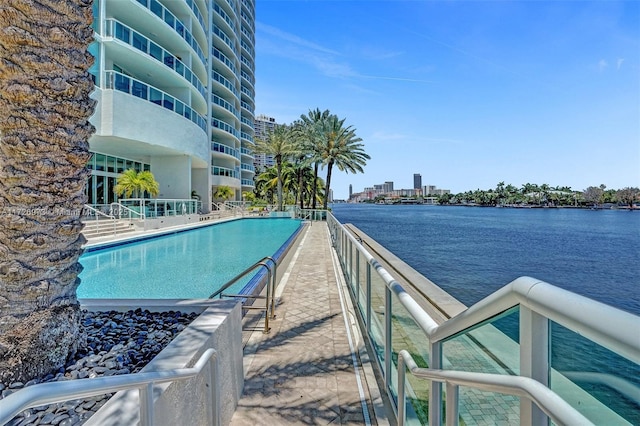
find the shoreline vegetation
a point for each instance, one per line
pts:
(528, 196)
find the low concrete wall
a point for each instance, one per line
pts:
(184, 402)
(166, 221)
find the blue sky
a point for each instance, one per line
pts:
(466, 93)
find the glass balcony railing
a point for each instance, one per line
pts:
(133, 38)
(169, 18)
(246, 136)
(226, 39)
(223, 58)
(217, 100)
(117, 81)
(528, 351)
(220, 12)
(248, 182)
(248, 49)
(248, 7)
(219, 124)
(223, 171)
(225, 82)
(218, 147)
(196, 11)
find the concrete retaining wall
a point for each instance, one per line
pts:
(185, 402)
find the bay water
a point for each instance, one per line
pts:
(471, 252)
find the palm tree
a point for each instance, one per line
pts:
(223, 193)
(44, 130)
(342, 148)
(268, 180)
(311, 139)
(132, 182)
(281, 144)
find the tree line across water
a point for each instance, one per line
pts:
(541, 195)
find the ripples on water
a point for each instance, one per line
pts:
(472, 252)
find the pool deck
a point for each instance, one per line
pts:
(312, 368)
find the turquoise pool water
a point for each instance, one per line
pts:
(185, 265)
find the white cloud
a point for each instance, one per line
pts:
(619, 63)
(293, 39)
(388, 136)
(602, 65)
(327, 61)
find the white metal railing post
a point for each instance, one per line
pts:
(357, 286)
(387, 338)
(368, 299)
(435, 393)
(350, 262)
(452, 414)
(146, 404)
(534, 361)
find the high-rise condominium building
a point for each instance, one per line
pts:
(417, 181)
(175, 90)
(262, 125)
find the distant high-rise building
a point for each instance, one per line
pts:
(417, 181)
(263, 125)
(387, 187)
(350, 191)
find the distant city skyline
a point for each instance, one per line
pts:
(468, 94)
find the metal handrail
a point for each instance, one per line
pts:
(235, 208)
(271, 287)
(54, 392)
(560, 411)
(101, 213)
(98, 212)
(141, 213)
(574, 312)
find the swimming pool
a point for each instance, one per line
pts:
(186, 265)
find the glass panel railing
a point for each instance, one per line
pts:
(407, 335)
(486, 349)
(196, 10)
(494, 340)
(126, 84)
(217, 53)
(378, 287)
(169, 18)
(141, 43)
(599, 383)
(219, 78)
(223, 171)
(352, 264)
(219, 124)
(360, 289)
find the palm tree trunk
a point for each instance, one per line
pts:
(328, 185)
(301, 187)
(315, 185)
(44, 150)
(279, 165)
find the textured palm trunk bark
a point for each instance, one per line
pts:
(44, 132)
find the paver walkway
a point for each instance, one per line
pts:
(306, 371)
